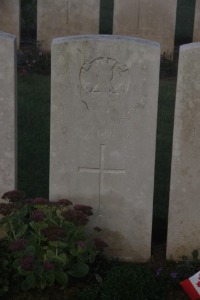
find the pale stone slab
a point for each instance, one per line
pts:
(103, 132)
(184, 207)
(196, 32)
(149, 19)
(7, 112)
(56, 18)
(10, 17)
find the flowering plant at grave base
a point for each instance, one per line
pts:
(33, 60)
(46, 241)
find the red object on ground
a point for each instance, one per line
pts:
(192, 286)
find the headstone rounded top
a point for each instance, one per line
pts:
(95, 37)
(6, 35)
(190, 46)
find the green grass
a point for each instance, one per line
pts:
(163, 156)
(33, 134)
(106, 16)
(184, 21)
(28, 19)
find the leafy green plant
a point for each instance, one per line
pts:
(46, 242)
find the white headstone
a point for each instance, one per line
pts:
(7, 112)
(103, 133)
(149, 19)
(56, 18)
(184, 206)
(196, 32)
(10, 17)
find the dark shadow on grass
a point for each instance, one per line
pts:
(163, 159)
(33, 134)
(184, 21)
(106, 17)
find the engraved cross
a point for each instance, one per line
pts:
(101, 171)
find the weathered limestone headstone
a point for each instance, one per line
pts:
(149, 19)
(184, 207)
(196, 33)
(103, 132)
(7, 112)
(56, 18)
(10, 17)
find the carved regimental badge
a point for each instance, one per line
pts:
(104, 75)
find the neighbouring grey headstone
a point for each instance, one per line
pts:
(103, 133)
(196, 32)
(184, 206)
(7, 112)
(56, 18)
(149, 19)
(10, 17)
